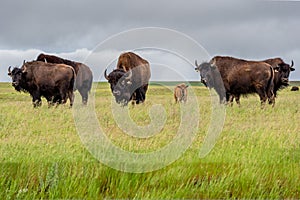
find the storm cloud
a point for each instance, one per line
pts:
(72, 29)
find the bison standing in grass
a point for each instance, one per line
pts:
(84, 75)
(55, 82)
(231, 76)
(130, 80)
(281, 76)
(180, 93)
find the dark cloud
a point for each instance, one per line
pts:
(246, 29)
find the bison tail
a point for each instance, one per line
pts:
(73, 81)
(270, 87)
(90, 84)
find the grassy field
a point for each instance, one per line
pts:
(257, 154)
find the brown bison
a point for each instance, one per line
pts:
(84, 75)
(55, 82)
(232, 76)
(130, 80)
(295, 88)
(180, 93)
(281, 76)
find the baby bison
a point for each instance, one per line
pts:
(180, 93)
(295, 88)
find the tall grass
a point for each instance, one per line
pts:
(256, 156)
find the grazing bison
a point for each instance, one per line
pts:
(281, 77)
(44, 79)
(180, 93)
(84, 75)
(238, 77)
(295, 88)
(130, 80)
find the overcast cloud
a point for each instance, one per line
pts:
(73, 28)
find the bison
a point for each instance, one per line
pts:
(281, 76)
(84, 75)
(295, 88)
(130, 80)
(180, 93)
(55, 82)
(231, 76)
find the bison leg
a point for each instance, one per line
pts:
(271, 97)
(63, 91)
(139, 96)
(237, 100)
(272, 100)
(36, 99)
(84, 95)
(37, 103)
(230, 100)
(263, 97)
(71, 98)
(50, 101)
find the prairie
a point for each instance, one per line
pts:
(257, 154)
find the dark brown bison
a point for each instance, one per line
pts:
(180, 93)
(55, 82)
(130, 80)
(84, 75)
(295, 88)
(281, 77)
(237, 77)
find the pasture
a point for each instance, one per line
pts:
(257, 154)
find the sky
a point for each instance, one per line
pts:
(96, 32)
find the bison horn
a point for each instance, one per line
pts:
(105, 75)
(24, 62)
(292, 63)
(196, 63)
(128, 77)
(9, 71)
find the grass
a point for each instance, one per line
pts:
(257, 154)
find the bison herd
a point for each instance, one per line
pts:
(56, 79)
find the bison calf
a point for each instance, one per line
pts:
(180, 93)
(295, 88)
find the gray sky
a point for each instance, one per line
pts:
(73, 28)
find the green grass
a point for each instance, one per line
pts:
(257, 154)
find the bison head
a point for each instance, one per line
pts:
(283, 72)
(18, 77)
(120, 85)
(206, 73)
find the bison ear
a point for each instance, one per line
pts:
(292, 69)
